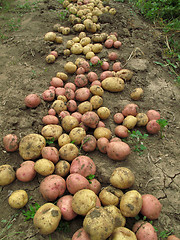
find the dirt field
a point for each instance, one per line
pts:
(23, 70)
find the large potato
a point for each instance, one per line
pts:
(118, 150)
(68, 152)
(98, 223)
(146, 231)
(107, 196)
(31, 145)
(102, 132)
(131, 203)
(69, 122)
(84, 107)
(51, 131)
(7, 174)
(122, 233)
(44, 167)
(77, 134)
(47, 218)
(83, 201)
(97, 90)
(18, 199)
(122, 178)
(119, 219)
(113, 84)
(90, 119)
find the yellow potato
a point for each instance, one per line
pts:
(69, 122)
(130, 122)
(18, 199)
(96, 101)
(102, 132)
(77, 48)
(122, 233)
(77, 134)
(70, 67)
(137, 93)
(113, 84)
(44, 167)
(97, 90)
(62, 168)
(103, 112)
(64, 139)
(58, 106)
(120, 220)
(68, 152)
(52, 131)
(7, 174)
(84, 107)
(142, 119)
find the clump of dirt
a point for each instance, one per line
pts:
(23, 70)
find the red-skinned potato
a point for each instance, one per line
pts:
(32, 100)
(90, 119)
(102, 144)
(77, 115)
(80, 234)
(118, 118)
(10, 142)
(69, 93)
(144, 231)
(94, 60)
(57, 82)
(48, 95)
(70, 85)
(96, 82)
(151, 207)
(50, 119)
(26, 172)
(115, 139)
(81, 80)
(52, 187)
(52, 112)
(106, 74)
(92, 76)
(95, 185)
(153, 127)
(130, 109)
(85, 65)
(172, 237)
(65, 205)
(117, 66)
(89, 143)
(50, 153)
(82, 94)
(121, 131)
(118, 150)
(113, 56)
(60, 91)
(105, 66)
(71, 105)
(117, 44)
(76, 182)
(153, 115)
(109, 43)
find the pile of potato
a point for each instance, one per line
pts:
(76, 107)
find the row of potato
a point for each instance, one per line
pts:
(75, 108)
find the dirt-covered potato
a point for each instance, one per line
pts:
(108, 197)
(44, 167)
(77, 134)
(62, 168)
(113, 84)
(90, 119)
(47, 218)
(18, 199)
(131, 203)
(120, 220)
(103, 112)
(98, 223)
(85, 107)
(80, 234)
(50, 153)
(145, 231)
(66, 30)
(77, 48)
(102, 132)
(64, 139)
(31, 145)
(51, 131)
(76, 182)
(96, 101)
(122, 233)
(69, 122)
(58, 106)
(85, 41)
(125, 74)
(79, 27)
(10, 142)
(142, 119)
(122, 178)
(137, 93)
(97, 47)
(7, 174)
(89, 143)
(68, 152)
(83, 201)
(65, 205)
(130, 122)
(70, 67)
(97, 90)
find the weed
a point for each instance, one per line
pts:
(84, 141)
(90, 177)
(50, 141)
(63, 15)
(97, 64)
(163, 123)
(29, 214)
(60, 1)
(63, 226)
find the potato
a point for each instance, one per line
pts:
(102, 144)
(113, 84)
(62, 168)
(11, 142)
(85, 107)
(48, 95)
(18, 199)
(69, 122)
(83, 165)
(130, 109)
(153, 127)
(62, 76)
(65, 205)
(125, 74)
(50, 119)
(120, 220)
(130, 122)
(144, 231)
(88, 143)
(121, 131)
(90, 119)
(70, 67)
(76, 182)
(26, 172)
(77, 115)
(151, 206)
(71, 105)
(31, 145)
(51, 131)
(79, 27)
(77, 48)
(47, 218)
(66, 30)
(96, 101)
(50, 153)
(98, 223)
(69, 93)
(122, 233)
(95, 186)
(64, 139)
(68, 152)
(97, 90)
(103, 112)
(50, 58)
(97, 47)
(137, 93)
(131, 203)
(7, 174)
(102, 132)
(77, 134)
(44, 167)
(153, 115)
(107, 74)
(172, 237)
(92, 76)
(107, 197)
(142, 119)
(87, 48)
(67, 52)
(80, 80)
(118, 150)
(58, 39)
(85, 41)
(122, 178)
(56, 82)
(58, 106)
(50, 36)
(82, 94)
(83, 201)
(52, 186)
(32, 100)
(80, 234)
(90, 26)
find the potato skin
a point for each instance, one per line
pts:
(89, 143)
(62, 168)
(76, 182)
(121, 131)
(120, 220)
(51, 131)
(102, 143)
(65, 205)
(118, 150)
(113, 84)
(95, 186)
(130, 109)
(26, 172)
(137, 93)
(130, 122)
(144, 231)
(69, 122)
(172, 237)
(7, 174)
(107, 197)
(142, 119)
(10, 142)
(32, 100)
(90, 119)
(47, 218)
(77, 134)
(153, 127)
(50, 153)
(102, 132)
(18, 199)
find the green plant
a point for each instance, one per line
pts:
(63, 226)
(90, 177)
(29, 214)
(86, 140)
(50, 141)
(62, 15)
(163, 123)
(136, 139)
(97, 64)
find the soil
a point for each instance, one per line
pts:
(23, 70)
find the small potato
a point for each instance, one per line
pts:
(84, 107)
(122, 233)
(50, 36)
(130, 109)
(50, 119)
(70, 67)
(32, 100)
(10, 142)
(103, 112)
(153, 127)
(80, 234)
(51, 131)
(125, 74)
(31, 145)
(69, 122)
(44, 167)
(83, 201)
(50, 153)
(62, 168)
(7, 174)
(82, 94)
(153, 115)
(47, 218)
(88, 143)
(130, 122)
(137, 93)
(107, 74)
(92, 76)
(76, 182)
(62, 76)
(118, 150)
(77, 48)
(85, 41)
(58, 106)
(142, 119)
(77, 115)
(144, 231)
(113, 84)
(80, 80)
(102, 144)
(68, 152)
(122, 178)
(66, 31)
(71, 105)
(69, 94)
(64, 139)
(95, 186)
(77, 134)
(96, 101)
(78, 27)
(107, 197)
(65, 205)
(97, 90)
(121, 131)
(120, 220)
(50, 58)
(18, 199)
(102, 132)
(90, 119)
(131, 203)
(97, 48)
(48, 95)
